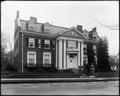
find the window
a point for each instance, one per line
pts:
(46, 59)
(47, 44)
(95, 49)
(47, 27)
(85, 60)
(72, 44)
(39, 45)
(53, 45)
(94, 37)
(31, 26)
(46, 30)
(32, 42)
(31, 59)
(85, 49)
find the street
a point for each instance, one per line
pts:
(76, 88)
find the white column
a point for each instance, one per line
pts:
(82, 53)
(60, 54)
(79, 53)
(64, 54)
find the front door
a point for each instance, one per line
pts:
(72, 61)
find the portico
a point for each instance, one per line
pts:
(69, 52)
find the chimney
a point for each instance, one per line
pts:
(79, 28)
(17, 14)
(94, 29)
(33, 20)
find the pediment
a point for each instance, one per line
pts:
(72, 33)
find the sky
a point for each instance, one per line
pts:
(89, 14)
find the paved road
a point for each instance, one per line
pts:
(78, 88)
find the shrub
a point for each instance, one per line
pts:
(11, 68)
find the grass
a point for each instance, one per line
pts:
(62, 74)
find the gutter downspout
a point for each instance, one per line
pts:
(22, 53)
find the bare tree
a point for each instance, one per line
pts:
(110, 26)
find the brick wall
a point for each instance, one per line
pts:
(39, 51)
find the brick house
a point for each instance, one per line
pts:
(43, 45)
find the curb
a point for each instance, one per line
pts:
(55, 80)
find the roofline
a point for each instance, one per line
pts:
(59, 33)
(37, 33)
(43, 23)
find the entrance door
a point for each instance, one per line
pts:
(72, 61)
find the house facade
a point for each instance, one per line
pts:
(43, 45)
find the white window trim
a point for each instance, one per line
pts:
(94, 47)
(30, 52)
(73, 43)
(31, 25)
(46, 53)
(32, 42)
(46, 42)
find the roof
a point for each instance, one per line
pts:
(54, 30)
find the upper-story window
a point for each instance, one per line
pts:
(39, 43)
(52, 45)
(47, 44)
(72, 44)
(32, 42)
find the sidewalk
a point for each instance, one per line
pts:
(55, 80)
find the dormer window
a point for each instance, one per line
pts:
(31, 26)
(47, 30)
(46, 27)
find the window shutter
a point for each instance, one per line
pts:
(36, 43)
(42, 43)
(51, 44)
(27, 42)
(27, 26)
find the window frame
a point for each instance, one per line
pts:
(31, 25)
(50, 58)
(33, 45)
(46, 44)
(28, 58)
(72, 43)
